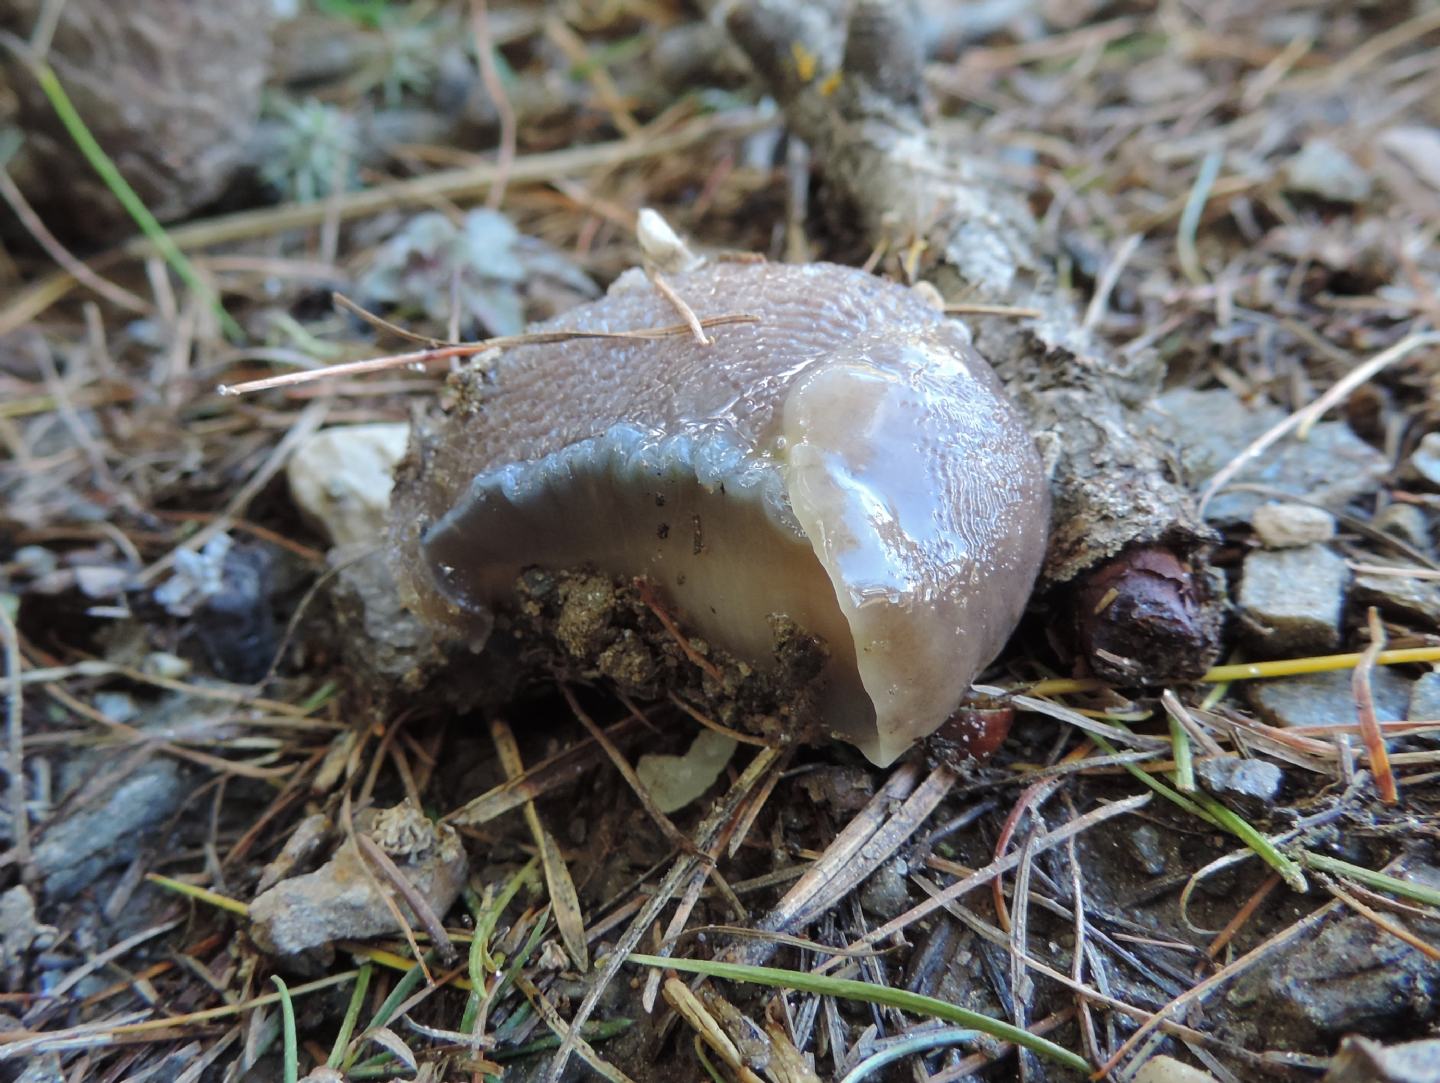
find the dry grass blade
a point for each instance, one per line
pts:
(663, 822)
(994, 869)
(467, 349)
(569, 917)
(765, 761)
(689, 1007)
(416, 901)
(557, 770)
(814, 890)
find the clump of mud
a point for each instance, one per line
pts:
(582, 625)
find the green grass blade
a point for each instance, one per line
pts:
(149, 225)
(901, 999)
(287, 1018)
(1370, 878)
(352, 1016)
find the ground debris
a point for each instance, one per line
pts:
(345, 898)
(1350, 977)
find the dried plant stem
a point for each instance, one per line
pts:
(1365, 712)
(15, 740)
(468, 349)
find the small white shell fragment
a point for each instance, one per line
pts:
(1170, 1070)
(675, 781)
(1289, 526)
(341, 478)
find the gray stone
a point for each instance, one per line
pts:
(887, 893)
(1406, 522)
(1145, 840)
(111, 830)
(1288, 526)
(1351, 976)
(1252, 783)
(1425, 459)
(1210, 428)
(20, 934)
(1401, 596)
(1323, 169)
(1425, 705)
(1359, 1060)
(1425, 698)
(1327, 699)
(342, 899)
(1291, 599)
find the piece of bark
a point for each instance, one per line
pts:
(855, 97)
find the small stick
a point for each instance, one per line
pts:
(467, 349)
(647, 595)
(422, 909)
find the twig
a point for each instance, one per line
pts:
(32, 222)
(1365, 713)
(652, 602)
(495, 87)
(374, 320)
(468, 349)
(418, 904)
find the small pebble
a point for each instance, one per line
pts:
(1323, 169)
(341, 478)
(1289, 526)
(1291, 599)
(1170, 1070)
(1399, 596)
(1148, 848)
(887, 893)
(1250, 782)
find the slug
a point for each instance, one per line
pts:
(847, 461)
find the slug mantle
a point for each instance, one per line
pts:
(848, 462)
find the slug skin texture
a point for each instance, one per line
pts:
(848, 461)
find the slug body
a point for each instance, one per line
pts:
(848, 462)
